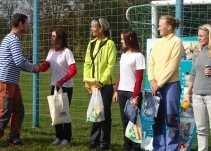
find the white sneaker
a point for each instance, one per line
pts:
(64, 142)
(57, 141)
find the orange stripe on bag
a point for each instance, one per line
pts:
(138, 130)
(97, 114)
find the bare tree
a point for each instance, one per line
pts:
(10, 7)
(7, 8)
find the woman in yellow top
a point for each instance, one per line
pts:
(99, 64)
(163, 74)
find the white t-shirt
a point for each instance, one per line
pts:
(129, 63)
(59, 64)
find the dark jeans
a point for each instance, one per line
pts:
(168, 115)
(101, 131)
(123, 97)
(64, 131)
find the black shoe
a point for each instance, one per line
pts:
(91, 146)
(136, 149)
(126, 149)
(102, 148)
(15, 143)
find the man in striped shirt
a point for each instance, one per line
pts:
(12, 62)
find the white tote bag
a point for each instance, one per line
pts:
(95, 111)
(59, 107)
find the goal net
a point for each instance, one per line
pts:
(144, 18)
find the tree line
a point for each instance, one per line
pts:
(74, 16)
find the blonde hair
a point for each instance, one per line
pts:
(102, 22)
(170, 20)
(207, 28)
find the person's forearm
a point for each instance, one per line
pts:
(190, 87)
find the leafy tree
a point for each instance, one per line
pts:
(3, 28)
(55, 14)
(8, 9)
(113, 10)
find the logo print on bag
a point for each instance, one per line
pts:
(62, 114)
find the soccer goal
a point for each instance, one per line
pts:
(144, 18)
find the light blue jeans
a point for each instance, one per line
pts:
(202, 112)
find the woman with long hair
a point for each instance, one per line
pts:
(132, 65)
(63, 67)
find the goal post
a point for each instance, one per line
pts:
(154, 11)
(151, 12)
(144, 18)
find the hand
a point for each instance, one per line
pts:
(154, 86)
(187, 97)
(134, 101)
(98, 86)
(207, 71)
(186, 102)
(36, 69)
(58, 85)
(115, 97)
(87, 87)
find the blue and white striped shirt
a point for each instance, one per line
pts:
(12, 60)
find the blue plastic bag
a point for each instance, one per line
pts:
(131, 112)
(151, 103)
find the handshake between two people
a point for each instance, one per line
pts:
(36, 68)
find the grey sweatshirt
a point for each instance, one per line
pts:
(201, 83)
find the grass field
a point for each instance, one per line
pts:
(40, 138)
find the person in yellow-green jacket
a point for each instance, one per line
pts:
(163, 74)
(99, 64)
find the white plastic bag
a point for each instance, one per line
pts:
(59, 107)
(134, 131)
(95, 111)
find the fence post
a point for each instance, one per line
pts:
(35, 116)
(180, 16)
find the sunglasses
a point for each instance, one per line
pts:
(98, 20)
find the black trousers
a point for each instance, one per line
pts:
(123, 97)
(101, 131)
(64, 131)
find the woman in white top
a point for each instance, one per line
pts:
(63, 67)
(132, 65)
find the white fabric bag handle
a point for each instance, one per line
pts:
(58, 92)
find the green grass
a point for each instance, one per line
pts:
(40, 138)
